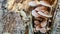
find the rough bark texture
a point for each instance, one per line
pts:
(56, 25)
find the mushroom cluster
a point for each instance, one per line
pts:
(42, 14)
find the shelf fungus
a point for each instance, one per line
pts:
(42, 13)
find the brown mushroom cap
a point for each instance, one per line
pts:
(36, 22)
(42, 22)
(44, 11)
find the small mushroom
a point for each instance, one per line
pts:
(36, 22)
(45, 3)
(44, 23)
(49, 3)
(34, 30)
(48, 29)
(43, 30)
(43, 11)
(43, 14)
(37, 28)
(35, 14)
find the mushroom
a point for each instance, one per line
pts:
(46, 15)
(34, 29)
(45, 3)
(36, 22)
(43, 30)
(43, 11)
(48, 3)
(40, 26)
(44, 23)
(37, 28)
(35, 14)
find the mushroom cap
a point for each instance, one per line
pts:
(45, 15)
(45, 3)
(33, 3)
(43, 11)
(36, 22)
(43, 24)
(43, 30)
(35, 14)
(37, 28)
